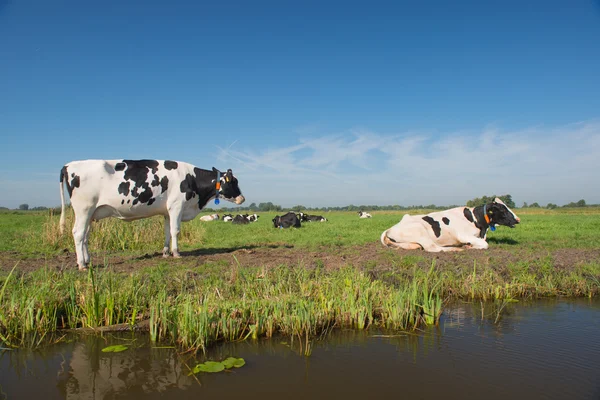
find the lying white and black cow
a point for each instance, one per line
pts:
(253, 217)
(363, 214)
(311, 218)
(212, 217)
(286, 221)
(227, 218)
(449, 229)
(240, 220)
(135, 189)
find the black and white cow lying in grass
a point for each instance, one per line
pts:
(363, 214)
(227, 218)
(449, 229)
(135, 189)
(212, 217)
(241, 219)
(310, 218)
(286, 221)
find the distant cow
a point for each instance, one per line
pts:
(212, 217)
(311, 218)
(286, 221)
(241, 219)
(446, 230)
(253, 217)
(227, 218)
(135, 189)
(363, 214)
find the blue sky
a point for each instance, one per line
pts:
(313, 103)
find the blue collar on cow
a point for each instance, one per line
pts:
(488, 219)
(217, 187)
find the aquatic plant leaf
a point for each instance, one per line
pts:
(210, 366)
(233, 362)
(115, 349)
(240, 362)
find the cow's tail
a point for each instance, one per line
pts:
(63, 181)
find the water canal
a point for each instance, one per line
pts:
(538, 350)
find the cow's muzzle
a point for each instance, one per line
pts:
(240, 199)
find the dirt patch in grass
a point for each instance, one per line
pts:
(372, 257)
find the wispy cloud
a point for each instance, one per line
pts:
(556, 164)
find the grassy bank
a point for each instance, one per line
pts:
(196, 304)
(195, 307)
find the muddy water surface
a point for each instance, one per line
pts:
(539, 350)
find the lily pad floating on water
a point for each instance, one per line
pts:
(209, 366)
(233, 362)
(218, 366)
(115, 349)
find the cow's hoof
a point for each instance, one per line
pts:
(84, 268)
(176, 255)
(165, 255)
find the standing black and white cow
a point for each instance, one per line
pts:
(311, 218)
(135, 189)
(447, 230)
(286, 221)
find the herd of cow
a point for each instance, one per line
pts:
(135, 189)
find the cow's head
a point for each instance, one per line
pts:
(229, 188)
(276, 221)
(500, 214)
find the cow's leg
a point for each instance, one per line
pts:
(474, 242)
(80, 231)
(175, 224)
(86, 250)
(167, 236)
(432, 247)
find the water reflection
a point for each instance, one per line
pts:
(94, 374)
(536, 350)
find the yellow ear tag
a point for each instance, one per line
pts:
(226, 179)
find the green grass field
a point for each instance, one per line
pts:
(36, 233)
(194, 304)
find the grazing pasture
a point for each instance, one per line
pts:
(241, 281)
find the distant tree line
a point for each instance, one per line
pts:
(552, 206)
(269, 206)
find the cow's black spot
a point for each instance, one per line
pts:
(446, 221)
(164, 184)
(151, 201)
(72, 174)
(124, 188)
(188, 186)
(170, 164)
(435, 225)
(137, 171)
(74, 184)
(64, 177)
(468, 214)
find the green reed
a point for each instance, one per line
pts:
(195, 307)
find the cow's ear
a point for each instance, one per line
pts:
(228, 175)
